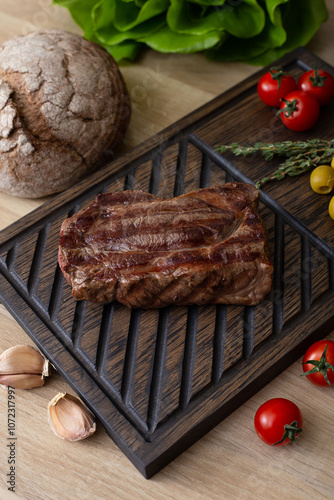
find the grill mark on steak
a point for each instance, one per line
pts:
(159, 231)
(204, 247)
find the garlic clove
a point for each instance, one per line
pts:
(22, 381)
(69, 418)
(22, 361)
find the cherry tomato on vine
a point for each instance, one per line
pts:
(319, 84)
(274, 85)
(318, 363)
(278, 421)
(299, 111)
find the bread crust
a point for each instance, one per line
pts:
(63, 102)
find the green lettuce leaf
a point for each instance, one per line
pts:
(103, 16)
(208, 3)
(245, 22)
(308, 16)
(253, 31)
(165, 40)
(129, 15)
(273, 35)
(125, 50)
(80, 11)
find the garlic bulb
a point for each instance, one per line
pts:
(69, 418)
(23, 367)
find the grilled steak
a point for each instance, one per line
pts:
(204, 247)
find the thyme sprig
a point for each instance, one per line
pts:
(300, 155)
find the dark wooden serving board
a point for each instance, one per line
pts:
(158, 380)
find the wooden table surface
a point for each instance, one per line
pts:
(230, 462)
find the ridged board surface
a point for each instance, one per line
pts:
(159, 379)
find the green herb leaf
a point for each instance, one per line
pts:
(300, 156)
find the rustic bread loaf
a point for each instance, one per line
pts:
(63, 102)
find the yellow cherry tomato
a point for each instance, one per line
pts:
(331, 208)
(322, 179)
(332, 162)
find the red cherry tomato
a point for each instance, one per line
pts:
(318, 363)
(299, 111)
(278, 421)
(274, 85)
(319, 84)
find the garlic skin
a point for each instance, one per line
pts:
(69, 418)
(23, 367)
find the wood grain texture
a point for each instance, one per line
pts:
(219, 356)
(230, 461)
